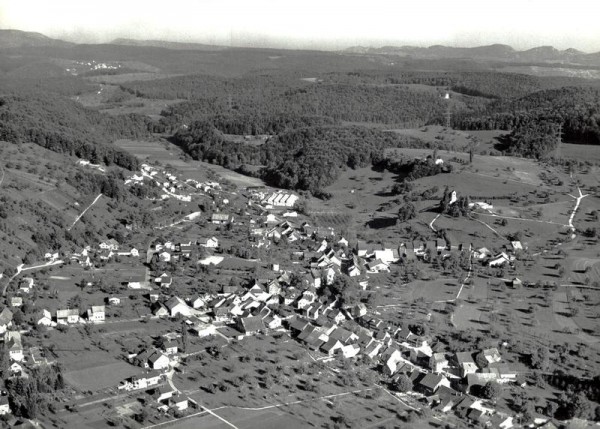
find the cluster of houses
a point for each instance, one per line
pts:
(105, 251)
(272, 200)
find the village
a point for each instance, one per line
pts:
(286, 277)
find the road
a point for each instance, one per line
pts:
(83, 212)
(577, 202)
(20, 269)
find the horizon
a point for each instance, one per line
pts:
(311, 25)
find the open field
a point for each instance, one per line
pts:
(101, 376)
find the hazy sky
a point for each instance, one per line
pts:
(322, 24)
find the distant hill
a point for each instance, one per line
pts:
(168, 45)
(496, 52)
(18, 39)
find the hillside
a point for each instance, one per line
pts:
(64, 126)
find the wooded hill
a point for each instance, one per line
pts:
(64, 126)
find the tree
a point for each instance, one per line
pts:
(491, 390)
(406, 212)
(403, 384)
(481, 361)
(540, 358)
(578, 407)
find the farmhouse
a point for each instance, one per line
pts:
(202, 329)
(281, 199)
(45, 319)
(26, 285)
(70, 315)
(96, 313)
(466, 363)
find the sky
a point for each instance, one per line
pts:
(315, 24)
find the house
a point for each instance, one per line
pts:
(170, 347)
(201, 329)
(432, 382)
(176, 305)
(26, 285)
(12, 341)
(16, 369)
(516, 283)
(250, 325)
(158, 361)
(466, 364)
(438, 362)
(164, 256)
(113, 300)
(501, 421)
(350, 350)
(178, 403)
(372, 349)
(45, 319)
(362, 249)
(387, 255)
(391, 358)
(359, 310)
(143, 381)
(272, 322)
(159, 310)
(16, 301)
(499, 260)
(221, 219)
(163, 393)
(209, 243)
(111, 244)
(96, 314)
(5, 320)
(164, 280)
(377, 266)
(70, 315)
(136, 282)
(4, 405)
(336, 316)
(332, 346)
(492, 355)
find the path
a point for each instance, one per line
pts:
(3, 174)
(83, 212)
(577, 202)
(431, 224)
(186, 218)
(463, 282)
(523, 218)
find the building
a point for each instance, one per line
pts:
(438, 362)
(4, 405)
(96, 314)
(12, 340)
(158, 361)
(209, 243)
(221, 219)
(250, 325)
(432, 382)
(70, 315)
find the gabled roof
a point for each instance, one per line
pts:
(252, 323)
(431, 381)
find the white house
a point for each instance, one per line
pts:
(96, 314)
(209, 243)
(4, 405)
(46, 319)
(12, 340)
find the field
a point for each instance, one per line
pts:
(100, 376)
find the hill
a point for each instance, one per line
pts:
(19, 39)
(64, 126)
(169, 45)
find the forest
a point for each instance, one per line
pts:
(577, 109)
(64, 126)
(308, 158)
